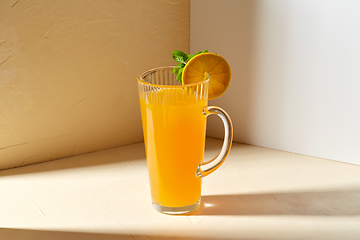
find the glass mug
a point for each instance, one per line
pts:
(174, 126)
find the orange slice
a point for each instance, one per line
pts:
(208, 65)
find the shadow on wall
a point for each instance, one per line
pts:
(114, 155)
(120, 154)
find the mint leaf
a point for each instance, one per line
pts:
(179, 74)
(175, 70)
(178, 67)
(180, 57)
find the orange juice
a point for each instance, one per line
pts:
(174, 132)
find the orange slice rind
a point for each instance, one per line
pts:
(209, 65)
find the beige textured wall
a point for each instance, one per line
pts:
(68, 72)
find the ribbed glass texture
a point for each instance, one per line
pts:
(155, 80)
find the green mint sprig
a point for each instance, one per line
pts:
(182, 58)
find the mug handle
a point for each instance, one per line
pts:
(205, 168)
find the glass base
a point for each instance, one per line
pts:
(176, 210)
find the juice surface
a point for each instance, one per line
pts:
(174, 133)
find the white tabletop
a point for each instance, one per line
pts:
(257, 193)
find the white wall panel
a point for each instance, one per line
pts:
(296, 72)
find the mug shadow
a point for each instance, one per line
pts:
(318, 203)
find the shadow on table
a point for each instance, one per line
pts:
(342, 202)
(26, 234)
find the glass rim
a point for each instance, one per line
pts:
(141, 77)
